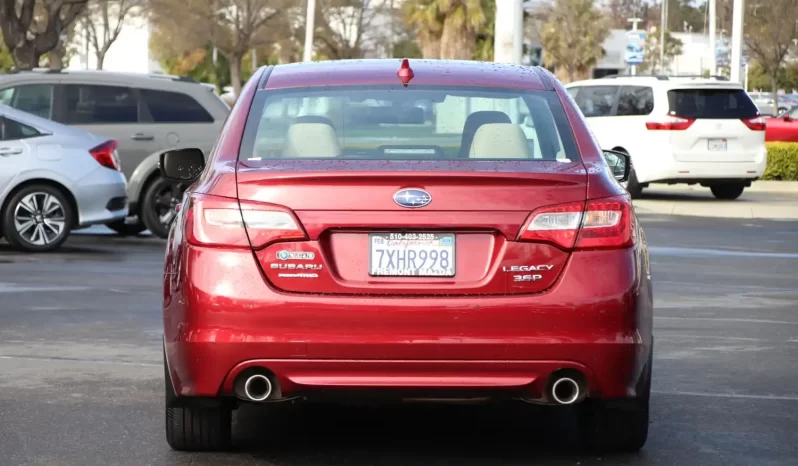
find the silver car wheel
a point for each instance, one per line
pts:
(39, 218)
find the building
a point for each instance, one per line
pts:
(129, 53)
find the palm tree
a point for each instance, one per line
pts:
(446, 28)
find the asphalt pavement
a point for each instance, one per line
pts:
(81, 378)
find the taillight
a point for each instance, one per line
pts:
(222, 222)
(755, 124)
(557, 224)
(105, 154)
(596, 224)
(670, 123)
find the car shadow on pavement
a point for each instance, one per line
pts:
(407, 434)
(694, 197)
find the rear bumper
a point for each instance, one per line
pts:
(221, 318)
(663, 166)
(101, 197)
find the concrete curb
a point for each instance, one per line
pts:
(756, 186)
(719, 210)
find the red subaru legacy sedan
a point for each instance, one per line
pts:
(405, 229)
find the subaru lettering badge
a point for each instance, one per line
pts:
(412, 198)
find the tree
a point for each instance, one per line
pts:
(620, 11)
(571, 34)
(6, 61)
(234, 27)
(348, 28)
(29, 36)
(448, 27)
(104, 20)
(426, 17)
(770, 27)
(673, 48)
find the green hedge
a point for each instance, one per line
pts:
(782, 161)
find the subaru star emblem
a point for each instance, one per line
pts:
(412, 198)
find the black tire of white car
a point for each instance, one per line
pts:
(52, 210)
(728, 191)
(155, 203)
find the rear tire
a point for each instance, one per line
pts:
(195, 428)
(127, 229)
(728, 192)
(634, 188)
(617, 426)
(158, 206)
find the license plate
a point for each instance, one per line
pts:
(717, 145)
(411, 254)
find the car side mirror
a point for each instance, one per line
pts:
(620, 164)
(787, 117)
(182, 164)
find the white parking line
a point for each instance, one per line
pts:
(728, 395)
(728, 319)
(19, 288)
(91, 361)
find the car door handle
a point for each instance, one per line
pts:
(142, 137)
(6, 151)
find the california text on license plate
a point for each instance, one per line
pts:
(411, 254)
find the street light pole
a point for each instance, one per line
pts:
(737, 41)
(310, 19)
(713, 13)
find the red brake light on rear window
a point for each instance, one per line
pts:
(670, 123)
(755, 124)
(601, 223)
(105, 155)
(214, 221)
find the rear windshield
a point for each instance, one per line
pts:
(414, 123)
(711, 103)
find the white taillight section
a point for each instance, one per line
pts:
(596, 224)
(555, 221)
(225, 218)
(269, 220)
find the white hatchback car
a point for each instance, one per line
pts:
(703, 131)
(54, 179)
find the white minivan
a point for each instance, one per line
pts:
(703, 131)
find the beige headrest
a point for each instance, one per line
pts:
(499, 141)
(311, 140)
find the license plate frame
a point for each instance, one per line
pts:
(717, 145)
(408, 238)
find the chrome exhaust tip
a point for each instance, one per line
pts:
(258, 387)
(565, 391)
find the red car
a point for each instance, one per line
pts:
(783, 127)
(406, 230)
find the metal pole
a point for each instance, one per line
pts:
(310, 19)
(518, 31)
(737, 41)
(663, 25)
(713, 13)
(254, 60)
(503, 39)
(634, 22)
